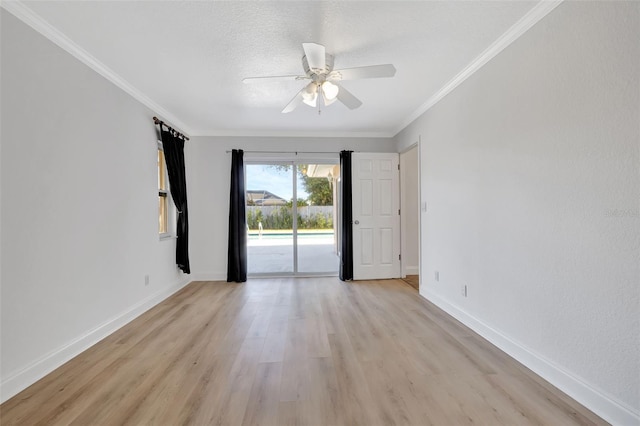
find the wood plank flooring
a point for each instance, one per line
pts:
(312, 351)
(413, 281)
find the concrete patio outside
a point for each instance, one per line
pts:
(273, 253)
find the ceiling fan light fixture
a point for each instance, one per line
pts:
(310, 94)
(318, 67)
(327, 101)
(311, 102)
(330, 92)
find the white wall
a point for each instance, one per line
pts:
(208, 179)
(410, 209)
(79, 208)
(530, 170)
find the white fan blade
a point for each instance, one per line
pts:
(372, 71)
(297, 100)
(316, 55)
(347, 98)
(274, 78)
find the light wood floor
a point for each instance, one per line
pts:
(294, 351)
(413, 281)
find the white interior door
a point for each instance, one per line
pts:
(376, 216)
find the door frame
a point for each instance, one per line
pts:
(404, 232)
(294, 161)
(422, 209)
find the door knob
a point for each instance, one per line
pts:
(357, 222)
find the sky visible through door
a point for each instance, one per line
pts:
(261, 176)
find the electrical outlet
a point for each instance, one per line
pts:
(437, 275)
(146, 280)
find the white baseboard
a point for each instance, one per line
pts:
(44, 365)
(412, 270)
(596, 400)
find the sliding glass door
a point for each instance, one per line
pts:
(269, 219)
(291, 218)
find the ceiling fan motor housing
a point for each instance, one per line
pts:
(316, 74)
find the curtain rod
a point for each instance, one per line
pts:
(287, 152)
(171, 129)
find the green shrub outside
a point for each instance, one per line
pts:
(282, 218)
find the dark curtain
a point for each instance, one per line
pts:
(237, 255)
(173, 147)
(346, 246)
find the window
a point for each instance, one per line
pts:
(163, 195)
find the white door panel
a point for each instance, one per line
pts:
(376, 218)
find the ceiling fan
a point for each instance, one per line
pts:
(318, 67)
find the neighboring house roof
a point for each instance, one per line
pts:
(264, 198)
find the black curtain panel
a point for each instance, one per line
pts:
(237, 255)
(174, 157)
(346, 247)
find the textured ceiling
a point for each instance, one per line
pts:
(190, 57)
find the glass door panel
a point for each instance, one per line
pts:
(269, 219)
(316, 236)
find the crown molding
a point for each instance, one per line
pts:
(29, 17)
(539, 11)
(295, 134)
